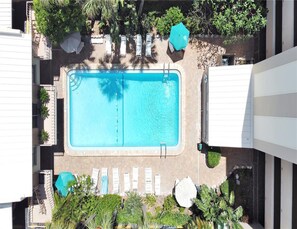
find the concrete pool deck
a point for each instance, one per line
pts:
(190, 162)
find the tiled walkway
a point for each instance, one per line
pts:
(190, 162)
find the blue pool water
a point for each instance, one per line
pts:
(122, 109)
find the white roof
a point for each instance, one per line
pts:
(230, 106)
(15, 115)
(5, 13)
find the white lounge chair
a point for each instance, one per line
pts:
(148, 45)
(135, 179)
(148, 181)
(158, 184)
(108, 44)
(80, 47)
(104, 181)
(126, 182)
(123, 45)
(94, 177)
(138, 45)
(115, 181)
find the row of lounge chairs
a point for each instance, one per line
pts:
(128, 185)
(123, 45)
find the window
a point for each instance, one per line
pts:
(34, 116)
(33, 73)
(34, 157)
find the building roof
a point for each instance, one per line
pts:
(5, 14)
(230, 106)
(15, 115)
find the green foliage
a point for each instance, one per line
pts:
(57, 19)
(169, 203)
(91, 8)
(132, 211)
(43, 96)
(172, 219)
(148, 21)
(128, 15)
(243, 18)
(224, 188)
(44, 136)
(150, 200)
(213, 158)
(172, 17)
(217, 208)
(198, 223)
(44, 112)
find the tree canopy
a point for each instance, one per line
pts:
(56, 19)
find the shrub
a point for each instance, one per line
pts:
(169, 203)
(174, 219)
(148, 21)
(172, 17)
(224, 188)
(56, 19)
(44, 112)
(43, 96)
(44, 136)
(150, 200)
(213, 159)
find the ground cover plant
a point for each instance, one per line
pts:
(213, 157)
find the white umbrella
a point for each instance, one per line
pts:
(71, 42)
(185, 191)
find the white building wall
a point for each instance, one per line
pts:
(269, 190)
(288, 24)
(286, 194)
(270, 29)
(230, 106)
(15, 115)
(5, 14)
(6, 215)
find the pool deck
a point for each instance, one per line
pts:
(189, 161)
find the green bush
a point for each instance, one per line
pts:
(132, 211)
(224, 188)
(169, 203)
(175, 219)
(43, 96)
(150, 200)
(148, 21)
(44, 136)
(44, 112)
(213, 158)
(172, 17)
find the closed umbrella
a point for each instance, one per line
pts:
(63, 181)
(179, 36)
(185, 191)
(71, 42)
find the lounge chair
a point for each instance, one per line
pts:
(148, 45)
(171, 48)
(115, 181)
(80, 47)
(148, 181)
(158, 184)
(104, 182)
(94, 177)
(126, 182)
(123, 45)
(108, 45)
(138, 45)
(135, 179)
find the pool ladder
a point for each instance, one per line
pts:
(166, 72)
(163, 146)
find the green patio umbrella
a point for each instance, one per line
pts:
(179, 36)
(62, 182)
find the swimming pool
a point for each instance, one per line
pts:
(123, 108)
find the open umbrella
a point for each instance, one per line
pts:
(185, 191)
(179, 36)
(62, 182)
(71, 42)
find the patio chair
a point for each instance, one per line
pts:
(94, 177)
(135, 179)
(115, 181)
(148, 181)
(80, 47)
(138, 45)
(123, 45)
(148, 45)
(126, 182)
(108, 45)
(104, 181)
(158, 184)
(171, 48)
